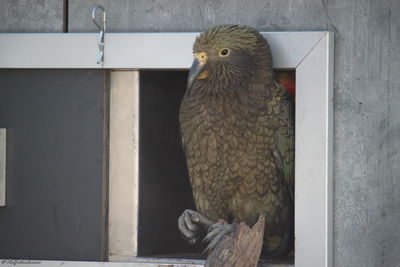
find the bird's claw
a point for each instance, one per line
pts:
(189, 222)
(215, 234)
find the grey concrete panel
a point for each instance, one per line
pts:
(31, 15)
(193, 15)
(367, 93)
(366, 193)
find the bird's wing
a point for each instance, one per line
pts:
(284, 137)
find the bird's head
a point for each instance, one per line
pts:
(228, 56)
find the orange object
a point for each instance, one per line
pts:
(287, 79)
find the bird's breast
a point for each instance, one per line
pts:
(224, 137)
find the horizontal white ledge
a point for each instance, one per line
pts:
(131, 50)
(141, 262)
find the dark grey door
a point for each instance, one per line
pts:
(56, 122)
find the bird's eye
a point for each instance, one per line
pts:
(224, 52)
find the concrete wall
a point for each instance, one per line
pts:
(367, 92)
(31, 16)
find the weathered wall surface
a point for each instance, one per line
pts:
(31, 16)
(367, 93)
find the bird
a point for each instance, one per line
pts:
(237, 130)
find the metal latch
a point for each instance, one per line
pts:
(102, 28)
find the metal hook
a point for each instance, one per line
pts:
(102, 29)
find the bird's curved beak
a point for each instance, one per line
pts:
(197, 69)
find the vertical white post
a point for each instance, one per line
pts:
(124, 160)
(314, 156)
(3, 167)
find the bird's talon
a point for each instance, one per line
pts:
(189, 223)
(211, 234)
(216, 232)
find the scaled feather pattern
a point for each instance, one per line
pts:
(237, 127)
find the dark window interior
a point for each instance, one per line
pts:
(164, 188)
(55, 121)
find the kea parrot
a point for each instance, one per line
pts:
(237, 129)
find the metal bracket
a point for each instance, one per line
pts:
(102, 28)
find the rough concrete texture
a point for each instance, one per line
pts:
(31, 15)
(194, 15)
(367, 93)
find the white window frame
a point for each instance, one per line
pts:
(309, 53)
